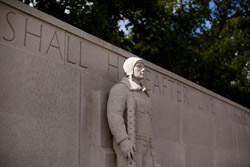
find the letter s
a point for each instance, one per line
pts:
(13, 36)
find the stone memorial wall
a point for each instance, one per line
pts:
(54, 84)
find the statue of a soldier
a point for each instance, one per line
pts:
(130, 118)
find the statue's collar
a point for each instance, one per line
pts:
(132, 85)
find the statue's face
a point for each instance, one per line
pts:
(139, 70)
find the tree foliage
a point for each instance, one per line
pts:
(205, 41)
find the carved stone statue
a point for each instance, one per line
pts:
(130, 118)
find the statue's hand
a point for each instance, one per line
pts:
(157, 165)
(154, 160)
(128, 149)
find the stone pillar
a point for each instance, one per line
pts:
(102, 154)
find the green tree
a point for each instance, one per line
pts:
(225, 51)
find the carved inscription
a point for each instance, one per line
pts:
(71, 57)
(42, 38)
(76, 51)
(39, 36)
(179, 92)
(201, 100)
(113, 66)
(147, 80)
(248, 118)
(205, 103)
(34, 35)
(157, 84)
(54, 42)
(234, 114)
(165, 86)
(243, 119)
(172, 82)
(185, 95)
(11, 27)
(83, 55)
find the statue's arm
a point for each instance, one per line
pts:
(115, 113)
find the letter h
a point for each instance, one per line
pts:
(28, 32)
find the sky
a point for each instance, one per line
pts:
(122, 24)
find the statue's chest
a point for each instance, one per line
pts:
(142, 115)
(142, 102)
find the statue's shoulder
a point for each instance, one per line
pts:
(119, 89)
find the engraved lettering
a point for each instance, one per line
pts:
(240, 116)
(201, 101)
(121, 72)
(236, 117)
(157, 84)
(113, 63)
(211, 105)
(69, 59)
(207, 103)
(83, 59)
(172, 90)
(51, 44)
(147, 80)
(164, 85)
(232, 114)
(179, 92)
(185, 95)
(243, 118)
(11, 27)
(224, 110)
(30, 33)
(248, 119)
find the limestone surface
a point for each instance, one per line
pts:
(54, 85)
